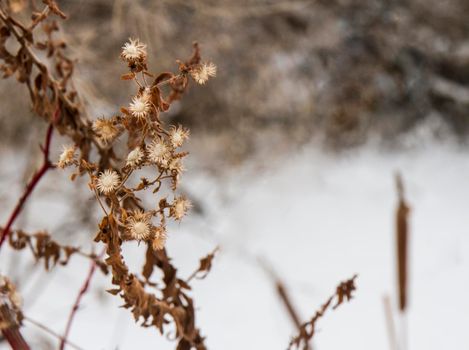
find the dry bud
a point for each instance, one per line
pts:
(180, 207)
(178, 135)
(133, 51)
(105, 129)
(203, 72)
(66, 157)
(134, 158)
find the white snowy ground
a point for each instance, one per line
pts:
(318, 219)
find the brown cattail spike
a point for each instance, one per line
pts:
(402, 213)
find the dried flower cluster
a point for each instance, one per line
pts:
(10, 304)
(152, 146)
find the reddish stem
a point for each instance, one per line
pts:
(33, 182)
(15, 339)
(83, 290)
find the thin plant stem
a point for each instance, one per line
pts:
(76, 305)
(46, 165)
(51, 332)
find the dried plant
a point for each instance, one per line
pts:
(150, 144)
(402, 213)
(117, 178)
(343, 293)
(42, 246)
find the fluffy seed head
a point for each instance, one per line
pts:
(203, 72)
(66, 157)
(139, 107)
(134, 50)
(176, 165)
(159, 240)
(108, 181)
(180, 207)
(105, 129)
(134, 158)
(178, 135)
(146, 94)
(139, 226)
(158, 152)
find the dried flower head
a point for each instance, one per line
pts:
(134, 158)
(158, 152)
(134, 50)
(139, 226)
(140, 107)
(175, 165)
(66, 157)
(159, 240)
(108, 181)
(8, 289)
(105, 129)
(180, 207)
(178, 135)
(146, 94)
(203, 72)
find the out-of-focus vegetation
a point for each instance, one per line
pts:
(339, 70)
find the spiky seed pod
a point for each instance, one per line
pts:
(66, 157)
(203, 72)
(177, 135)
(133, 51)
(139, 226)
(105, 129)
(134, 158)
(180, 207)
(159, 239)
(107, 181)
(158, 152)
(140, 107)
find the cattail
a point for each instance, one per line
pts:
(402, 213)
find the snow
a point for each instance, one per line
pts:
(317, 219)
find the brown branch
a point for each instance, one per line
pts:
(81, 293)
(10, 319)
(284, 296)
(42, 246)
(15, 339)
(33, 182)
(307, 330)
